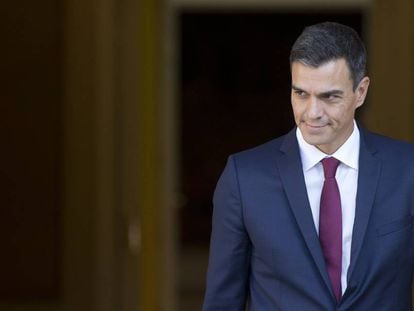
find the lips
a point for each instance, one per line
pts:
(314, 129)
(315, 126)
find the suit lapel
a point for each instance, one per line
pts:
(291, 174)
(369, 172)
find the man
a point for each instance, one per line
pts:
(320, 218)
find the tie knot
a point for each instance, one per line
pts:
(329, 167)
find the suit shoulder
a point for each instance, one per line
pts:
(390, 147)
(382, 141)
(269, 146)
(260, 154)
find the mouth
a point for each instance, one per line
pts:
(315, 126)
(314, 129)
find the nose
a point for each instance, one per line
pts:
(315, 108)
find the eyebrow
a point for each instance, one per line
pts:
(320, 95)
(298, 89)
(329, 93)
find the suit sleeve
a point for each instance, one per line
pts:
(228, 269)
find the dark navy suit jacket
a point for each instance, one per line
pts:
(265, 252)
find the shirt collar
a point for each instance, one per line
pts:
(348, 153)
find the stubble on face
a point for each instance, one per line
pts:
(324, 103)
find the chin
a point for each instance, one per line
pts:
(315, 141)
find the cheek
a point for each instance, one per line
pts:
(342, 117)
(297, 111)
(297, 116)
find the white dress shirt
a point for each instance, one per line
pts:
(347, 179)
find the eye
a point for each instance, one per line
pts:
(300, 93)
(331, 97)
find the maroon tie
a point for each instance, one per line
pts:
(330, 225)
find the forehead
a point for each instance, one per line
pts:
(334, 74)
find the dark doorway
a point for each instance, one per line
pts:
(235, 94)
(30, 157)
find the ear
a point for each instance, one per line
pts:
(361, 91)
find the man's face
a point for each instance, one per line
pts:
(324, 103)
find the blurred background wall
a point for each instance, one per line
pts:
(116, 118)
